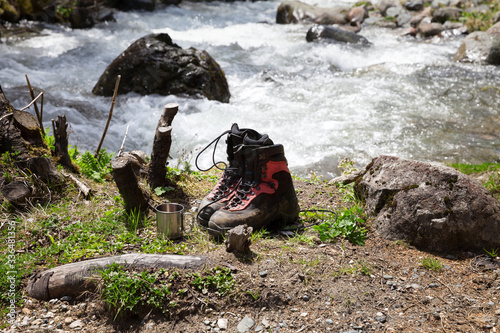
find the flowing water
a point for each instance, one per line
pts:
(323, 102)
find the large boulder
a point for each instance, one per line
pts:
(298, 12)
(327, 33)
(431, 206)
(476, 47)
(155, 65)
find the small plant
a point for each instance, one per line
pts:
(93, 168)
(133, 220)
(259, 234)
(493, 253)
(50, 139)
(254, 294)
(220, 280)
(348, 225)
(159, 191)
(432, 264)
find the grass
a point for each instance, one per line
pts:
(490, 169)
(432, 264)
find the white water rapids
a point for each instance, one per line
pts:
(323, 102)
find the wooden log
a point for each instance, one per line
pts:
(135, 198)
(75, 278)
(161, 148)
(60, 129)
(84, 189)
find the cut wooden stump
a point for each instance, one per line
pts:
(75, 278)
(161, 148)
(135, 198)
(17, 192)
(60, 129)
(44, 169)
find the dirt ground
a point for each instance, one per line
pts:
(301, 284)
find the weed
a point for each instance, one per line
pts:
(159, 191)
(432, 264)
(493, 253)
(348, 225)
(219, 279)
(254, 294)
(93, 168)
(134, 220)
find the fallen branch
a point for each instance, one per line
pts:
(113, 101)
(33, 101)
(84, 189)
(32, 93)
(123, 143)
(75, 278)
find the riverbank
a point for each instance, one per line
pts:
(295, 282)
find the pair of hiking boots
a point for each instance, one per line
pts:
(255, 188)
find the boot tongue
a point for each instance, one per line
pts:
(263, 140)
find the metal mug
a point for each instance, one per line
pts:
(170, 220)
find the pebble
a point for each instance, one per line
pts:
(329, 322)
(380, 317)
(490, 303)
(259, 328)
(77, 324)
(265, 323)
(306, 298)
(436, 315)
(263, 274)
(222, 323)
(53, 301)
(388, 277)
(245, 324)
(66, 298)
(433, 285)
(294, 309)
(48, 315)
(37, 322)
(304, 314)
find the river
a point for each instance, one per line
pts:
(323, 102)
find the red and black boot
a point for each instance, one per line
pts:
(220, 195)
(265, 197)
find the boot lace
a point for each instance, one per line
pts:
(244, 191)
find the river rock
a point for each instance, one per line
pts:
(431, 206)
(384, 5)
(299, 12)
(444, 14)
(327, 33)
(155, 65)
(476, 47)
(128, 5)
(429, 29)
(358, 14)
(418, 18)
(414, 5)
(493, 57)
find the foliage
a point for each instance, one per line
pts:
(94, 168)
(220, 280)
(493, 253)
(126, 292)
(50, 139)
(432, 264)
(469, 169)
(349, 225)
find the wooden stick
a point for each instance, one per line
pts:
(123, 143)
(32, 93)
(113, 101)
(33, 101)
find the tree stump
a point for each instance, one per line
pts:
(29, 128)
(60, 127)
(17, 192)
(134, 196)
(75, 278)
(44, 169)
(161, 148)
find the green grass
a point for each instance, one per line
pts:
(469, 169)
(432, 264)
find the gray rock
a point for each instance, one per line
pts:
(384, 5)
(263, 274)
(431, 206)
(329, 322)
(299, 12)
(155, 65)
(426, 30)
(388, 277)
(444, 14)
(415, 5)
(440, 3)
(327, 33)
(258, 328)
(433, 285)
(238, 239)
(493, 57)
(77, 324)
(476, 47)
(306, 298)
(245, 325)
(222, 323)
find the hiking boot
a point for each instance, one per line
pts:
(265, 197)
(220, 195)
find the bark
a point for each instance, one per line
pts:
(134, 196)
(75, 278)
(161, 148)
(43, 168)
(60, 127)
(17, 192)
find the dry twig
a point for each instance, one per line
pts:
(32, 93)
(113, 101)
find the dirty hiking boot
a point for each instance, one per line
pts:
(265, 197)
(220, 195)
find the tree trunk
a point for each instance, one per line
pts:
(75, 278)
(161, 148)
(59, 128)
(134, 196)
(43, 168)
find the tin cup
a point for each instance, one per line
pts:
(170, 220)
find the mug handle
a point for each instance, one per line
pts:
(191, 225)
